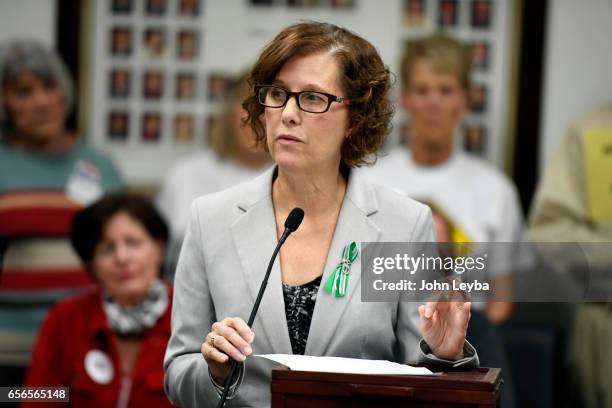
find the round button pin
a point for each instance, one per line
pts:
(99, 367)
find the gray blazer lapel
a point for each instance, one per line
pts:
(353, 224)
(255, 238)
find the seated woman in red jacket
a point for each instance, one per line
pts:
(108, 345)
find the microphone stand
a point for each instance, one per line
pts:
(262, 288)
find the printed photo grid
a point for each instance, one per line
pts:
(154, 77)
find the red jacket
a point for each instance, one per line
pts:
(76, 326)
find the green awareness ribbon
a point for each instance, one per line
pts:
(337, 283)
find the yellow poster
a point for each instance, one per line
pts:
(598, 162)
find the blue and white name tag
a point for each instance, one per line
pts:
(84, 184)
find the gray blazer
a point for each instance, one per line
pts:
(228, 245)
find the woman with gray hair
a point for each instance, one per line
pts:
(46, 175)
(36, 149)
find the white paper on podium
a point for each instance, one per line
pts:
(344, 365)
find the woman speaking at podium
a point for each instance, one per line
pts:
(319, 102)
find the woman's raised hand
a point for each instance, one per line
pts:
(444, 326)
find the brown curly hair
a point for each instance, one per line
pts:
(363, 77)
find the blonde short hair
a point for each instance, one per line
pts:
(221, 138)
(446, 54)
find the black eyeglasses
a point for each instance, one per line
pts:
(272, 96)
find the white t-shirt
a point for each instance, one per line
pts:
(199, 174)
(478, 198)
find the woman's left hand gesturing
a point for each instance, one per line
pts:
(444, 326)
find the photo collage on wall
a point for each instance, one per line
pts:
(473, 22)
(154, 66)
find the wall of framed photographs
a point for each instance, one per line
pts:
(160, 68)
(146, 83)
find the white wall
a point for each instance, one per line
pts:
(578, 66)
(34, 19)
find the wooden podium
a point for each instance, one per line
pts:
(478, 387)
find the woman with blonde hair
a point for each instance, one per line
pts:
(477, 199)
(233, 158)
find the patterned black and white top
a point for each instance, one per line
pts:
(299, 306)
